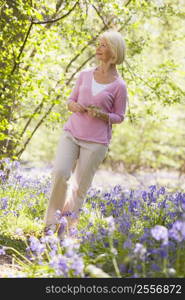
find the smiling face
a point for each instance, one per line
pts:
(103, 51)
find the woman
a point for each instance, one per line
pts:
(97, 101)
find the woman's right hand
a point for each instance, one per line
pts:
(77, 107)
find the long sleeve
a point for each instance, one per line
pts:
(119, 108)
(74, 94)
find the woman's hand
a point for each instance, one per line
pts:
(76, 107)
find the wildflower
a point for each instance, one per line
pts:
(78, 265)
(111, 224)
(16, 164)
(127, 244)
(3, 176)
(36, 246)
(67, 242)
(155, 267)
(52, 253)
(163, 252)
(144, 195)
(177, 232)
(63, 225)
(152, 188)
(73, 231)
(140, 251)
(85, 210)
(117, 189)
(2, 251)
(60, 264)
(4, 203)
(161, 191)
(122, 268)
(160, 233)
(103, 231)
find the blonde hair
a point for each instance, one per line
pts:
(116, 43)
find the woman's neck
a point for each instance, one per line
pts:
(107, 69)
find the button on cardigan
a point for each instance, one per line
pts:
(112, 100)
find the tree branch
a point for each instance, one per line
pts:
(128, 2)
(57, 19)
(35, 129)
(80, 67)
(22, 48)
(101, 17)
(39, 107)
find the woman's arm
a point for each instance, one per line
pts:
(119, 108)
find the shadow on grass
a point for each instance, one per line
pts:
(17, 244)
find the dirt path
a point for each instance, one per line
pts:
(106, 178)
(138, 180)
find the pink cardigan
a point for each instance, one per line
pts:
(112, 100)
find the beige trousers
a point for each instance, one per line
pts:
(80, 159)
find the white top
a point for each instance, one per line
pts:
(98, 87)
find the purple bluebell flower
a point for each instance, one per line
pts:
(177, 232)
(106, 244)
(16, 164)
(139, 268)
(127, 244)
(52, 253)
(60, 264)
(111, 224)
(2, 176)
(153, 188)
(144, 195)
(115, 243)
(4, 203)
(161, 191)
(155, 267)
(103, 231)
(160, 233)
(93, 204)
(122, 268)
(140, 251)
(163, 204)
(36, 246)
(50, 239)
(107, 196)
(73, 231)
(78, 265)
(163, 252)
(2, 251)
(67, 242)
(63, 225)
